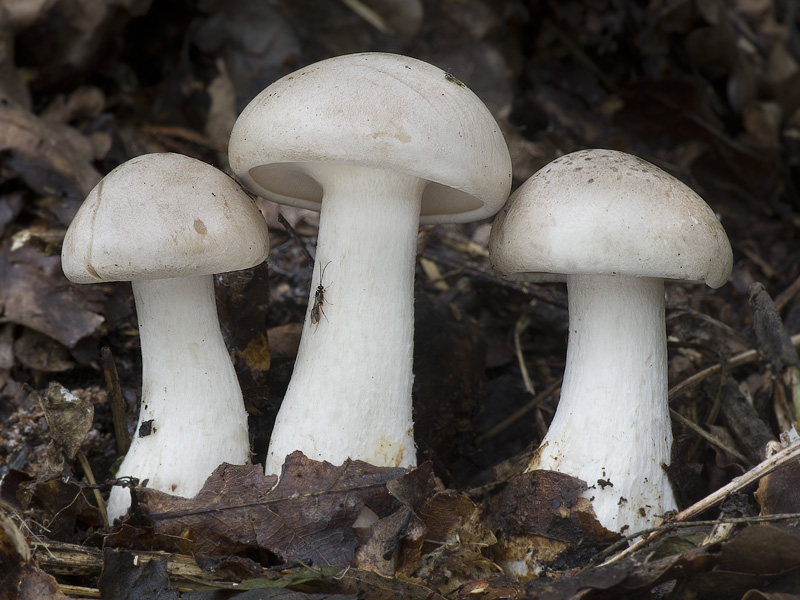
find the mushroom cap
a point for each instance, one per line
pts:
(159, 216)
(607, 212)
(378, 110)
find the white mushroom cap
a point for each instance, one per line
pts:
(376, 110)
(608, 212)
(159, 216)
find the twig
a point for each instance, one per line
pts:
(711, 439)
(369, 15)
(744, 358)
(522, 324)
(78, 591)
(434, 275)
(189, 135)
(118, 412)
(482, 273)
(765, 467)
(507, 422)
(667, 527)
(293, 234)
(87, 470)
(787, 294)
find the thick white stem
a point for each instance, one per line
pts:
(350, 392)
(612, 426)
(192, 416)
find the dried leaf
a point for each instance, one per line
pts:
(774, 344)
(41, 353)
(373, 586)
(35, 293)
(61, 505)
(761, 550)
(538, 515)
(35, 584)
(759, 557)
(778, 494)
(14, 553)
(69, 418)
(496, 587)
(622, 578)
(122, 579)
(51, 159)
(307, 516)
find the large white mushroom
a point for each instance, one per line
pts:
(167, 223)
(377, 143)
(613, 227)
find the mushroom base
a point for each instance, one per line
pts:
(350, 392)
(192, 415)
(612, 427)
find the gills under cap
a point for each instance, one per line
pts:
(380, 111)
(609, 213)
(160, 216)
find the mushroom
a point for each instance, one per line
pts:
(167, 223)
(613, 227)
(377, 143)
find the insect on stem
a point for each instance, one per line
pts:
(317, 311)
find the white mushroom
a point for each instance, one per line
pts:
(614, 227)
(167, 223)
(377, 143)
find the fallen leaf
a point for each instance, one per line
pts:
(35, 584)
(35, 293)
(20, 579)
(539, 514)
(69, 418)
(52, 159)
(122, 579)
(306, 517)
(41, 353)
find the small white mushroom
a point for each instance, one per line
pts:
(377, 143)
(167, 223)
(613, 227)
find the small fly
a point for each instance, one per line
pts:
(319, 299)
(453, 79)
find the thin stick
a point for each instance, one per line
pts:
(522, 324)
(369, 15)
(118, 412)
(671, 526)
(744, 358)
(293, 234)
(787, 294)
(87, 470)
(765, 467)
(714, 441)
(507, 422)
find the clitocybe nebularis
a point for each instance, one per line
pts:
(167, 223)
(377, 143)
(613, 227)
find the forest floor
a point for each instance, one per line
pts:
(708, 90)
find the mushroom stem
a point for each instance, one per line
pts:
(192, 416)
(350, 392)
(612, 426)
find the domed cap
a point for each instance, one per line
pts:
(607, 212)
(159, 216)
(383, 111)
